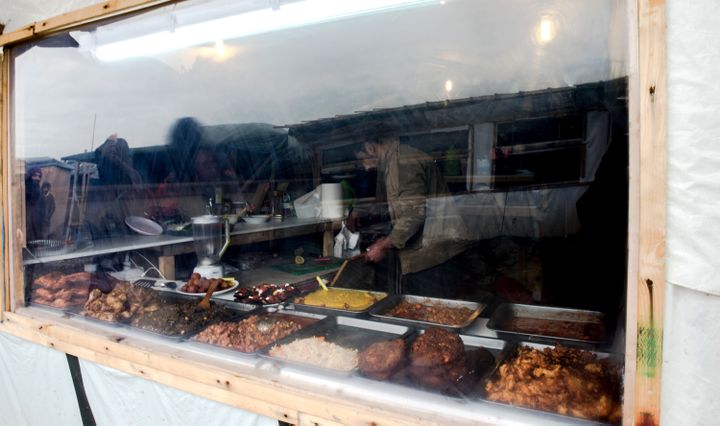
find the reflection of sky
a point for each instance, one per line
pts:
(387, 60)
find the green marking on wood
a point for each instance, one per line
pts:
(649, 350)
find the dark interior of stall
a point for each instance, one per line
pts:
(539, 143)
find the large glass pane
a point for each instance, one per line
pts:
(472, 151)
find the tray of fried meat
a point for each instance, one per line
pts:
(436, 359)
(565, 381)
(421, 311)
(254, 331)
(333, 344)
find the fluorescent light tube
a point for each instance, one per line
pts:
(287, 16)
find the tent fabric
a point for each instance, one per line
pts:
(37, 388)
(694, 149)
(691, 344)
(119, 398)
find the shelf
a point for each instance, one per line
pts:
(169, 245)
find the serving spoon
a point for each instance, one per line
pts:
(205, 302)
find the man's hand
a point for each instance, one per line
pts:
(376, 252)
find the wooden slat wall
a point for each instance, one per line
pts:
(651, 97)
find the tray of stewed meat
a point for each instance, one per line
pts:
(557, 379)
(437, 360)
(424, 311)
(255, 331)
(163, 314)
(334, 344)
(548, 324)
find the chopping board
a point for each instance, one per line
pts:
(310, 266)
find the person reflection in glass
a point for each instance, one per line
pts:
(48, 208)
(33, 204)
(406, 179)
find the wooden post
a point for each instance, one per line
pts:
(651, 95)
(5, 276)
(166, 265)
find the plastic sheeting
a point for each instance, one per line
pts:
(693, 226)
(34, 377)
(119, 398)
(35, 385)
(691, 377)
(691, 349)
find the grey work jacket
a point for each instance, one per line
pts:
(410, 178)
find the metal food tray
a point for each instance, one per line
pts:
(303, 287)
(44, 248)
(273, 311)
(239, 310)
(507, 311)
(509, 352)
(379, 295)
(379, 310)
(348, 332)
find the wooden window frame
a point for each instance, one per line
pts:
(647, 105)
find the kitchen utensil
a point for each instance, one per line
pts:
(205, 302)
(143, 226)
(209, 245)
(355, 273)
(339, 272)
(256, 219)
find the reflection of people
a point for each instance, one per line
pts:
(196, 160)
(48, 208)
(114, 163)
(121, 186)
(33, 204)
(406, 179)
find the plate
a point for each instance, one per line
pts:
(143, 226)
(256, 219)
(216, 292)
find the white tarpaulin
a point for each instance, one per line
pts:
(119, 398)
(691, 347)
(37, 389)
(35, 385)
(694, 145)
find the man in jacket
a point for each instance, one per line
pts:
(427, 244)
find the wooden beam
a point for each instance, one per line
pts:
(17, 35)
(78, 17)
(4, 104)
(208, 377)
(650, 279)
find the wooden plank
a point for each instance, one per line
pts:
(17, 35)
(166, 265)
(81, 16)
(212, 378)
(650, 278)
(633, 217)
(4, 102)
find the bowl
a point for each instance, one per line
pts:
(143, 226)
(257, 219)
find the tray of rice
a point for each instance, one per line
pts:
(333, 344)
